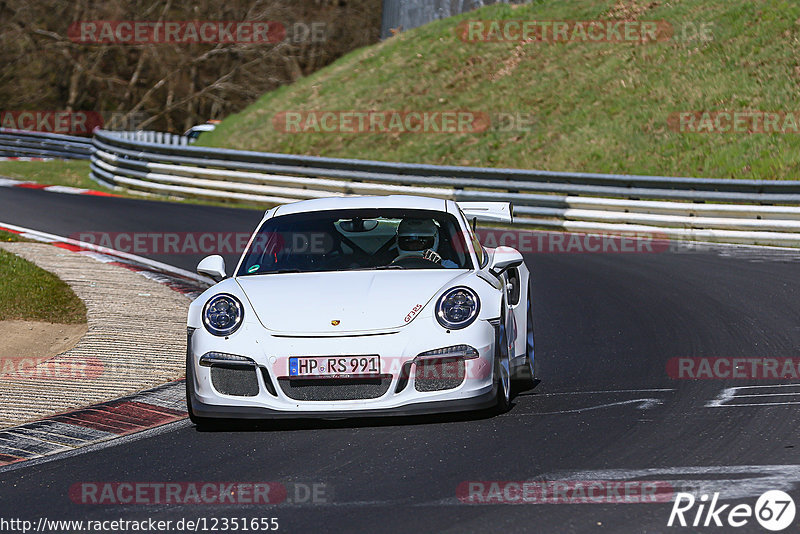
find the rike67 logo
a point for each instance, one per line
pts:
(774, 510)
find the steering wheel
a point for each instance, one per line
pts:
(415, 262)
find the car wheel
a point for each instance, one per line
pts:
(502, 371)
(527, 375)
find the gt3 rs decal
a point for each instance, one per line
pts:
(413, 313)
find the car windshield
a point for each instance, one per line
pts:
(358, 239)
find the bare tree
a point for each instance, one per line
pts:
(168, 86)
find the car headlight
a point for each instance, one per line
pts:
(223, 314)
(457, 308)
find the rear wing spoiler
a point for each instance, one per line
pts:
(488, 211)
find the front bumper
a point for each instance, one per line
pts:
(481, 402)
(269, 355)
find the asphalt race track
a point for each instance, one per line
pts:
(607, 409)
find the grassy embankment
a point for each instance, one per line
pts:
(595, 107)
(33, 294)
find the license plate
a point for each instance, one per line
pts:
(334, 366)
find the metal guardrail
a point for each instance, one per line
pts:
(27, 144)
(150, 136)
(736, 211)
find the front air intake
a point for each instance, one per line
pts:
(437, 374)
(241, 382)
(320, 389)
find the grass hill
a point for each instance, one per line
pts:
(589, 106)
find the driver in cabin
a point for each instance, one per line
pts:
(420, 238)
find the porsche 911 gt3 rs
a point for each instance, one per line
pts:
(362, 306)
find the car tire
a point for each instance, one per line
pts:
(502, 371)
(526, 376)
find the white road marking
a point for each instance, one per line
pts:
(758, 404)
(643, 404)
(723, 400)
(605, 391)
(763, 395)
(729, 483)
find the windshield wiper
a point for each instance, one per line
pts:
(278, 271)
(378, 268)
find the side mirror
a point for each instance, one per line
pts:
(213, 266)
(504, 258)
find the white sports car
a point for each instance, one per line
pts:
(362, 306)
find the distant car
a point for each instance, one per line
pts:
(361, 306)
(194, 132)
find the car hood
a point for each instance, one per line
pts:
(311, 303)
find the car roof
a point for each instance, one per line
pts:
(360, 202)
